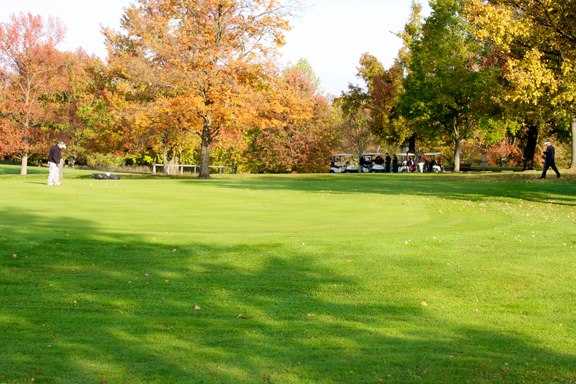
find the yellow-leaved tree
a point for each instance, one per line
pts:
(205, 55)
(536, 41)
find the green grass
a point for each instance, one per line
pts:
(288, 279)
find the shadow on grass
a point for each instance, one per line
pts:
(80, 305)
(451, 187)
(139, 176)
(472, 187)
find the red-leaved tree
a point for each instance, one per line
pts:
(28, 58)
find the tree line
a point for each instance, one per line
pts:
(493, 77)
(196, 81)
(184, 81)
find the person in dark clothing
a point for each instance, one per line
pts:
(387, 162)
(54, 158)
(55, 154)
(549, 160)
(395, 164)
(378, 165)
(363, 162)
(411, 164)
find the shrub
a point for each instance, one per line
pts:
(104, 161)
(504, 154)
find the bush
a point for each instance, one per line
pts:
(563, 154)
(140, 159)
(104, 161)
(504, 154)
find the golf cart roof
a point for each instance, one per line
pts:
(343, 155)
(406, 154)
(433, 154)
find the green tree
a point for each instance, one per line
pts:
(536, 40)
(356, 123)
(373, 109)
(384, 90)
(449, 86)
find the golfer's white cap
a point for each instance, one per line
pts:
(62, 145)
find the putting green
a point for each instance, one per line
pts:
(288, 279)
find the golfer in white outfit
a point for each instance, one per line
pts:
(54, 158)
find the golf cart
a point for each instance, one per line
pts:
(105, 176)
(343, 163)
(367, 162)
(374, 163)
(406, 162)
(433, 162)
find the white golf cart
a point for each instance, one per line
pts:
(343, 163)
(406, 162)
(367, 162)
(433, 163)
(374, 163)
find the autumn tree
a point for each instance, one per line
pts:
(449, 86)
(205, 51)
(537, 41)
(384, 87)
(78, 92)
(372, 110)
(296, 130)
(10, 138)
(165, 129)
(356, 127)
(28, 56)
(62, 95)
(412, 32)
(109, 111)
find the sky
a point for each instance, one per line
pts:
(330, 34)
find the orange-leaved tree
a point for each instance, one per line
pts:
(28, 57)
(297, 130)
(10, 137)
(202, 50)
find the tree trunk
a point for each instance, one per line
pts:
(457, 155)
(530, 147)
(24, 165)
(171, 165)
(165, 161)
(27, 103)
(205, 152)
(412, 144)
(573, 163)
